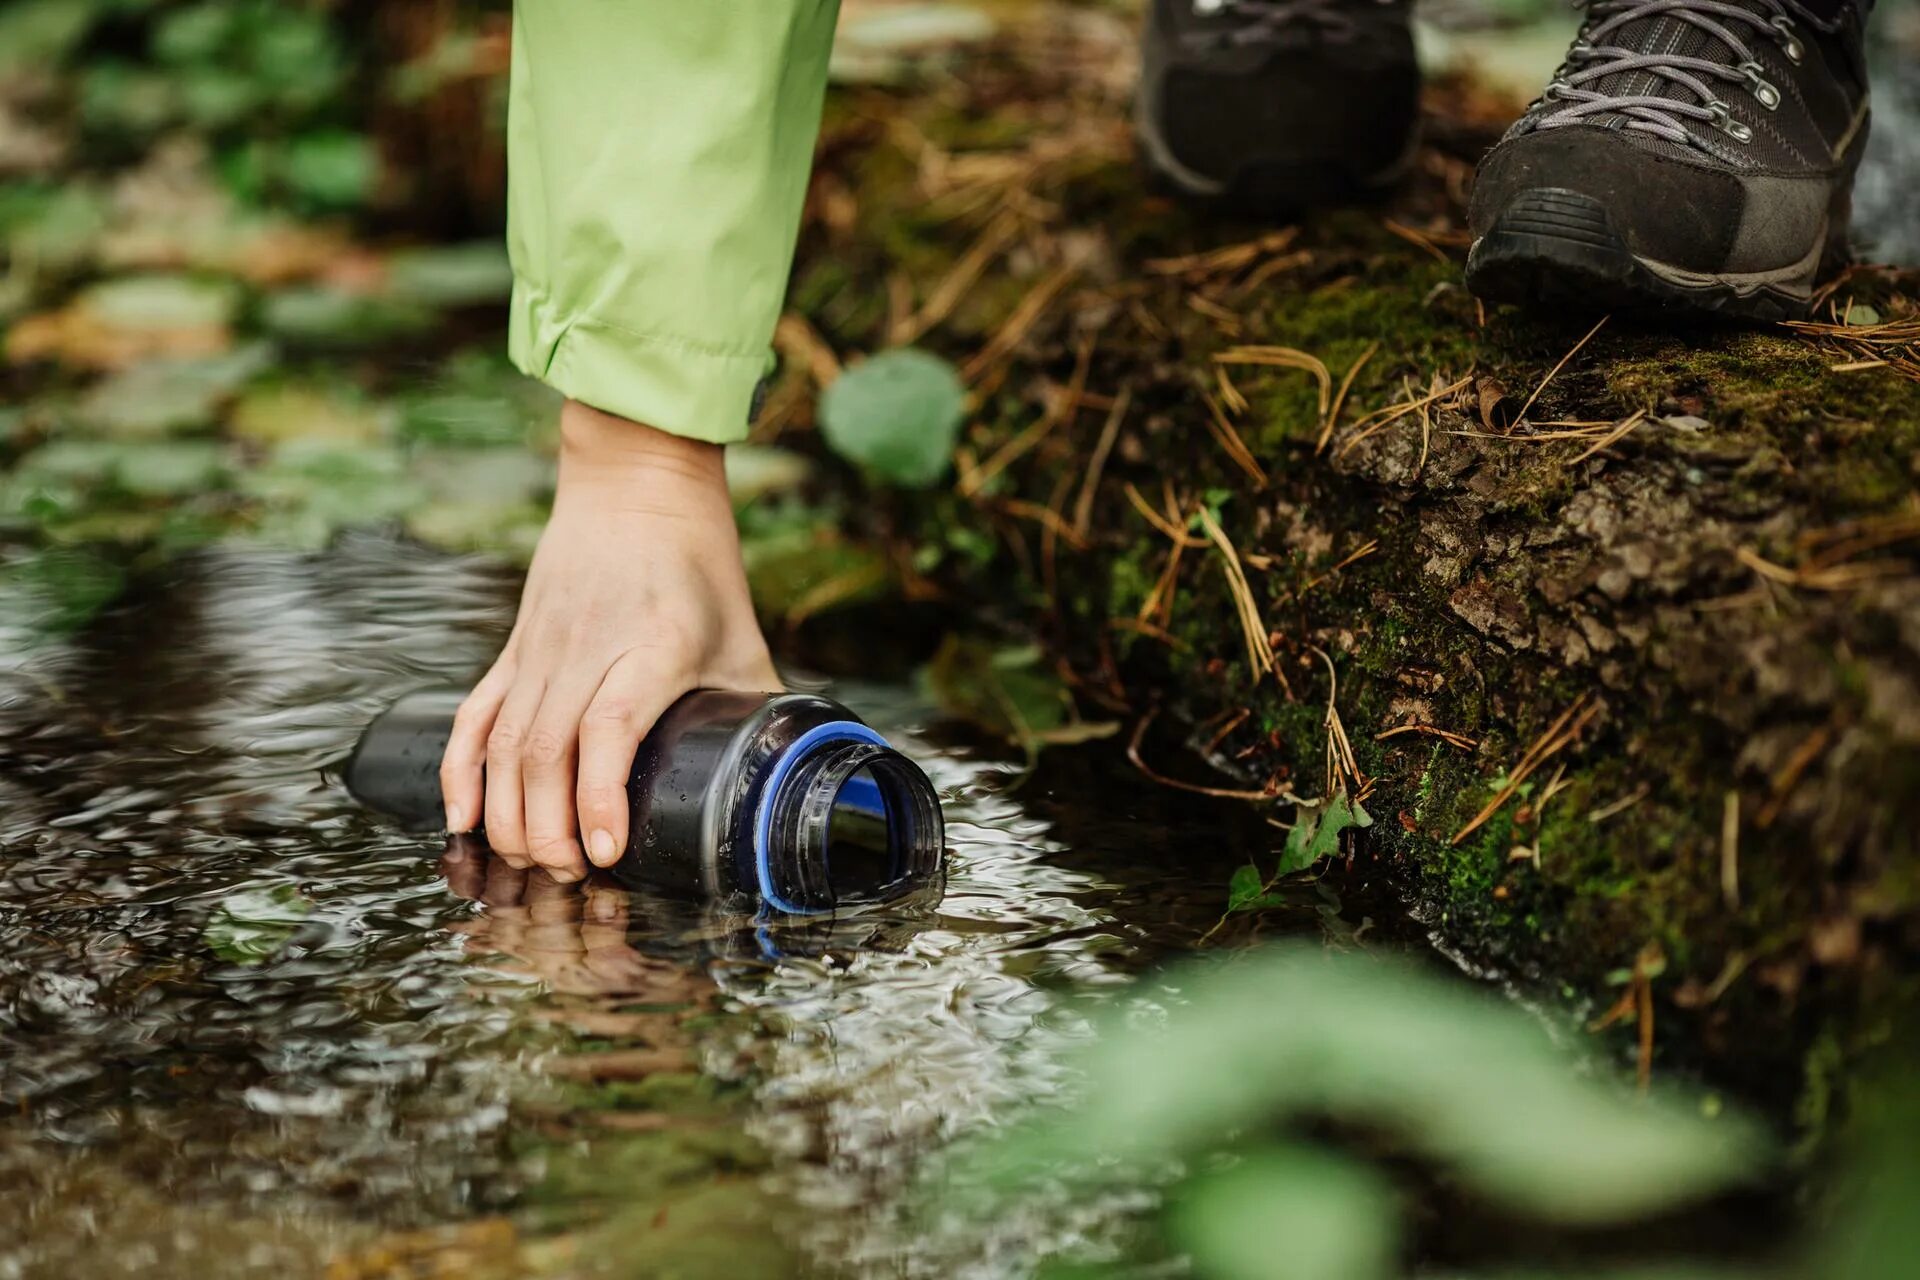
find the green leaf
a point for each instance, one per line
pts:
(161, 303)
(117, 97)
(1245, 886)
(251, 927)
(1316, 831)
(896, 416)
(320, 316)
(171, 468)
(332, 169)
(51, 229)
(162, 396)
(196, 33)
(1292, 1034)
(1287, 1214)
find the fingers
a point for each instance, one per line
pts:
(547, 774)
(629, 700)
(506, 743)
(462, 764)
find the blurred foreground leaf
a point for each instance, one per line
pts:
(1293, 1035)
(1287, 1215)
(896, 416)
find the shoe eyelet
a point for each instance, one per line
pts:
(1723, 120)
(1763, 92)
(1789, 42)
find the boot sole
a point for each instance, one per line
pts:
(1560, 248)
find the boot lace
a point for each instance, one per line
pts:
(1288, 24)
(1575, 94)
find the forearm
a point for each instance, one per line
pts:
(658, 163)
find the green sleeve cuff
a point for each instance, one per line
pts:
(674, 384)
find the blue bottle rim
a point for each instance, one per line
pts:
(783, 766)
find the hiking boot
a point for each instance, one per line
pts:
(1692, 154)
(1275, 105)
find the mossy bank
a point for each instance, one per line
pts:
(1672, 578)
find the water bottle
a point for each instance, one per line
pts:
(785, 799)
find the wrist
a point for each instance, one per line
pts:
(600, 447)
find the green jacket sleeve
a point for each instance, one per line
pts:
(658, 153)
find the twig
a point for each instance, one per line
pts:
(1221, 793)
(1448, 736)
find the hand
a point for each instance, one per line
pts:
(636, 595)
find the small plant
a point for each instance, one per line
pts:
(1216, 1095)
(896, 416)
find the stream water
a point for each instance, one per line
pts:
(246, 1028)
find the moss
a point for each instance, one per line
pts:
(1509, 577)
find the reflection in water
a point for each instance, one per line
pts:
(246, 1025)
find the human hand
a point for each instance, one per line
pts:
(636, 595)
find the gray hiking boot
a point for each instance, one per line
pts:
(1276, 105)
(1692, 154)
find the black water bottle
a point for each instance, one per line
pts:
(741, 798)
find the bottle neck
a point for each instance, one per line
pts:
(850, 821)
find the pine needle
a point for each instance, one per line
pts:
(1259, 648)
(1553, 372)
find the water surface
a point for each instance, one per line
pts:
(248, 1028)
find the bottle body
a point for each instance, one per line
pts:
(740, 798)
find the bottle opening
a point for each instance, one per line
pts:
(862, 857)
(852, 822)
